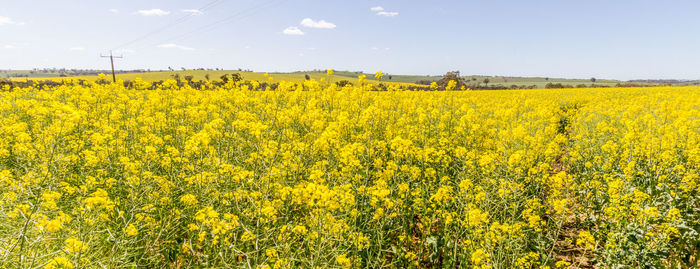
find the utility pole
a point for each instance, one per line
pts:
(111, 59)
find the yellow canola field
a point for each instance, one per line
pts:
(99, 175)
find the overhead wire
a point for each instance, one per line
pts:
(234, 17)
(240, 15)
(169, 25)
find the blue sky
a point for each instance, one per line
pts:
(622, 39)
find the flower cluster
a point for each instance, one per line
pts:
(317, 175)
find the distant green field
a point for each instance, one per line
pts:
(522, 82)
(540, 82)
(30, 74)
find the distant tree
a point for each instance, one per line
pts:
(189, 78)
(307, 77)
(176, 77)
(546, 79)
(343, 83)
(451, 76)
(593, 80)
(206, 76)
(486, 81)
(236, 77)
(557, 86)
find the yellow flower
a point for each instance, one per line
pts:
(73, 246)
(271, 253)
(53, 225)
(343, 261)
(60, 262)
(480, 258)
(300, 230)
(586, 240)
(131, 230)
(189, 200)
(379, 75)
(247, 236)
(451, 85)
(562, 264)
(361, 79)
(99, 200)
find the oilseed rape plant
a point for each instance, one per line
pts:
(316, 175)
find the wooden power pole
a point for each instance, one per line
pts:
(111, 60)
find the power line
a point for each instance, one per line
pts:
(176, 22)
(242, 14)
(239, 15)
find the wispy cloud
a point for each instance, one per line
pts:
(193, 12)
(76, 49)
(153, 12)
(292, 30)
(9, 21)
(308, 22)
(174, 46)
(113, 10)
(387, 13)
(379, 10)
(8, 46)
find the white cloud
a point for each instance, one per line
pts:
(193, 12)
(247, 47)
(76, 49)
(153, 12)
(9, 21)
(114, 10)
(387, 13)
(291, 30)
(174, 46)
(8, 46)
(377, 9)
(374, 48)
(308, 22)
